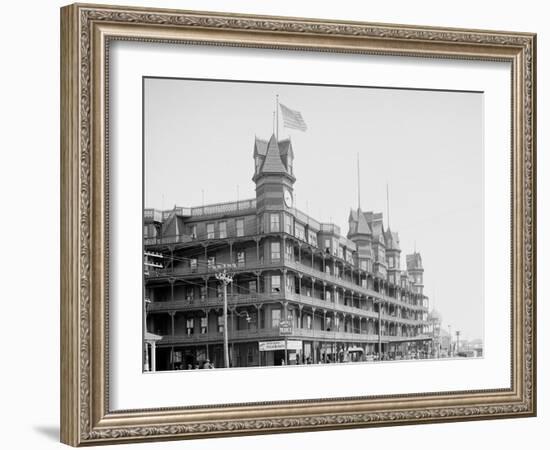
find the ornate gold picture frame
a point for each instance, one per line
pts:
(87, 31)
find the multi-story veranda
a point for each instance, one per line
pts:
(332, 304)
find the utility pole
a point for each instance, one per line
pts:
(457, 340)
(225, 279)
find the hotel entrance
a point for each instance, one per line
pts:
(272, 353)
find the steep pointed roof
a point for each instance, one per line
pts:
(414, 261)
(273, 162)
(362, 224)
(392, 240)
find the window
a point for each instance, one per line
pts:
(327, 269)
(252, 287)
(299, 231)
(240, 227)
(381, 254)
(328, 296)
(190, 294)
(309, 322)
(289, 251)
(275, 283)
(336, 270)
(289, 284)
(289, 224)
(203, 292)
(193, 232)
(312, 238)
(220, 324)
(193, 263)
(204, 325)
(209, 231)
(275, 318)
(274, 223)
(340, 252)
(223, 229)
(211, 262)
(327, 245)
(363, 265)
(190, 324)
(364, 283)
(335, 247)
(349, 256)
(240, 258)
(275, 251)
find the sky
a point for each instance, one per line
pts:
(425, 147)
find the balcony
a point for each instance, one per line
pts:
(330, 228)
(256, 299)
(223, 208)
(201, 270)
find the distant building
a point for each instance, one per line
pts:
(346, 298)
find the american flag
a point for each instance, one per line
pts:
(292, 119)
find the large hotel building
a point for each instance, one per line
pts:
(345, 297)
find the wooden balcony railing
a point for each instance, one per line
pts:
(297, 333)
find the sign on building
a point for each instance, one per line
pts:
(285, 328)
(270, 346)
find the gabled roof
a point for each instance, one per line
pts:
(286, 148)
(273, 162)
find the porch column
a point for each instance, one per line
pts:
(172, 316)
(153, 356)
(172, 281)
(146, 364)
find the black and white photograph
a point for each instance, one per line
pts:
(294, 224)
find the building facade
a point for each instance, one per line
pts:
(341, 297)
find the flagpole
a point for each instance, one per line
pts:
(277, 128)
(358, 184)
